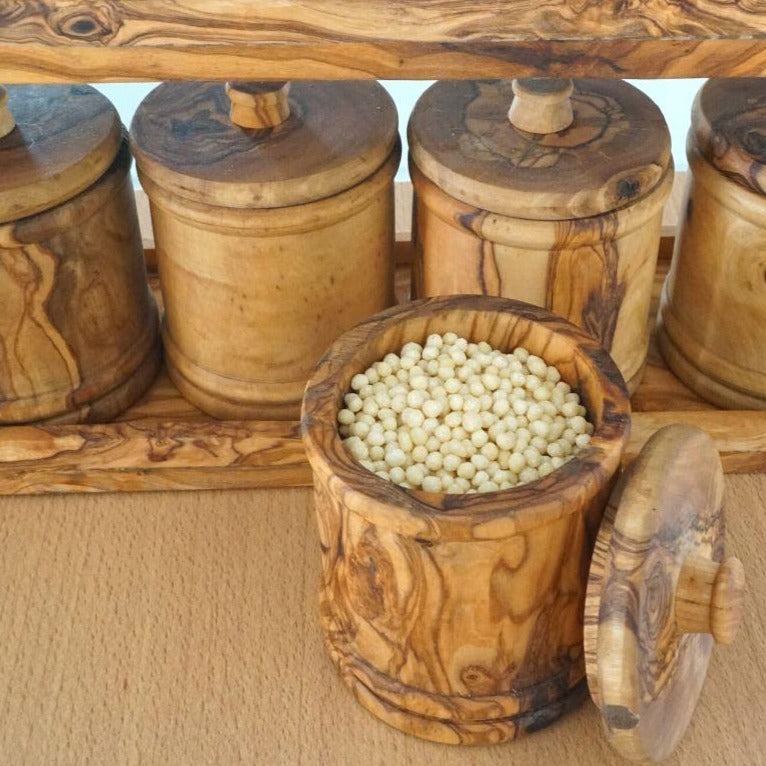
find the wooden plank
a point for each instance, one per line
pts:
(155, 454)
(417, 39)
(739, 437)
(182, 629)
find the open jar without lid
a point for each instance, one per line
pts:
(464, 618)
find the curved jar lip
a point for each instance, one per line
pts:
(504, 324)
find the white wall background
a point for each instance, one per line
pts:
(674, 97)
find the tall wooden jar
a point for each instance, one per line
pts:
(475, 618)
(78, 327)
(557, 202)
(712, 319)
(273, 218)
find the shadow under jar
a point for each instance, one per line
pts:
(711, 326)
(273, 216)
(470, 619)
(556, 201)
(79, 334)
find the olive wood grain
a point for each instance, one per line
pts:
(336, 136)
(458, 617)
(68, 139)
(709, 597)
(541, 105)
(712, 319)
(426, 39)
(7, 123)
(78, 329)
(646, 645)
(258, 105)
(597, 272)
(615, 152)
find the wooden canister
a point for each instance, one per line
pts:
(475, 618)
(460, 617)
(557, 201)
(712, 318)
(78, 327)
(273, 217)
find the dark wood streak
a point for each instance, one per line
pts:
(162, 39)
(593, 291)
(481, 629)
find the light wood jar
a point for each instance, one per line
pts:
(557, 201)
(459, 618)
(272, 207)
(78, 327)
(712, 318)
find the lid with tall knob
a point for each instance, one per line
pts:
(660, 593)
(262, 144)
(55, 141)
(547, 149)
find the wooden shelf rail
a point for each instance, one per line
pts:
(113, 40)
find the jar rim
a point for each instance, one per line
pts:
(490, 515)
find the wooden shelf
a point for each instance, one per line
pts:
(165, 443)
(113, 40)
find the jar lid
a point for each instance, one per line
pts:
(575, 148)
(64, 139)
(260, 145)
(657, 596)
(729, 129)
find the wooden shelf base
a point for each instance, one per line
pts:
(165, 443)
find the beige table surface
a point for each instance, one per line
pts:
(181, 628)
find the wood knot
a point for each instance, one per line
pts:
(91, 22)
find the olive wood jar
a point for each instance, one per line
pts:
(712, 318)
(557, 201)
(473, 618)
(78, 327)
(272, 207)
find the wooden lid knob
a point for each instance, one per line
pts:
(258, 104)
(541, 105)
(709, 598)
(7, 123)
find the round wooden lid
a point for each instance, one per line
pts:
(616, 149)
(333, 136)
(64, 139)
(657, 597)
(729, 128)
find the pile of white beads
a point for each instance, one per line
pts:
(457, 417)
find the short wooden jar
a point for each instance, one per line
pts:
(78, 327)
(712, 319)
(459, 618)
(273, 218)
(557, 202)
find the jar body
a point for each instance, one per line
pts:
(596, 272)
(79, 326)
(253, 297)
(463, 641)
(712, 318)
(459, 618)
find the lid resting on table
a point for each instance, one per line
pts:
(657, 595)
